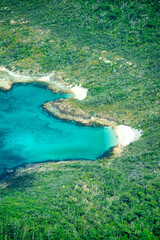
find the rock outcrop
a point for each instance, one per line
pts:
(63, 109)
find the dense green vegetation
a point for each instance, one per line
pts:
(111, 47)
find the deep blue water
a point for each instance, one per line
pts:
(28, 134)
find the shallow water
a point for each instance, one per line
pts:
(28, 134)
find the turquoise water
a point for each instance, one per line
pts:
(28, 134)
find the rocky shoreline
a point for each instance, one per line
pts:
(63, 109)
(8, 78)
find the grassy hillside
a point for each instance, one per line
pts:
(110, 47)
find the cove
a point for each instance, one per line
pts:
(28, 134)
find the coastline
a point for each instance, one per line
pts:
(127, 134)
(8, 78)
(62, 108)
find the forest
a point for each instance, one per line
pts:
(112, 48)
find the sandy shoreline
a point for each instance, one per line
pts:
(125, 134)
(79, 92)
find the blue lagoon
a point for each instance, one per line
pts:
(28, 134)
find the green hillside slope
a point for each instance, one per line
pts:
(110, 47)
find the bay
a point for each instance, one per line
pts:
(28, 134)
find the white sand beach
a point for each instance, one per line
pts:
(79, 92)
(126, 134)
